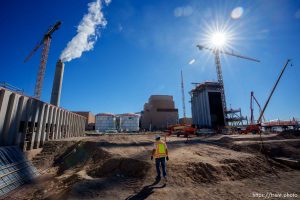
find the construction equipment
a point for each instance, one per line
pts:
(273, 89)
(45, 42)
(184, 128)
(217, 53)
(253, 98)
(256, 127)
(252, 127)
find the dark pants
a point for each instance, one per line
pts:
(162, 162)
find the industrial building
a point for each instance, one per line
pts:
(207, 108)
(29, 122)
(129, 122)
(159, 113)
(105, 122)
(90, 122)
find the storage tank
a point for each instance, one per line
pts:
(105, 122)
(129, 122)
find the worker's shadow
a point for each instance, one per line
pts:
(146, 191)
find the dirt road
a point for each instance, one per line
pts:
(119, 167)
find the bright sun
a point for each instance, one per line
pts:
(218, 39)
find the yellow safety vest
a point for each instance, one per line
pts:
(160, 150)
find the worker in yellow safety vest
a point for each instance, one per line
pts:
(160, 153)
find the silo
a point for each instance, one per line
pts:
(129, 122)
(105, 122)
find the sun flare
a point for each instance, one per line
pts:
(218, 39)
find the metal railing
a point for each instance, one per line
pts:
(11, 87)
(15, 170)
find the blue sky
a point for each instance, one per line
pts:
(145, 45)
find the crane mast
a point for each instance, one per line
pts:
(183, 99)
(220, 78)
(217, 53)
(45, 42)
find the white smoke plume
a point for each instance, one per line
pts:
(87, 33)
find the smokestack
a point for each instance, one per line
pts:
(57, 83)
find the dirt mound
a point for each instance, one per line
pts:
(79, 155)
(289, 134)
(202, 172)
(225, 140)
(124, 167)
(51, 151)
(230, 169)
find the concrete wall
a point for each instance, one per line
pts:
(28, 122)
(91, 120)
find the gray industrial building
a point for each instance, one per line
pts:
(28, 122)
(207, 109)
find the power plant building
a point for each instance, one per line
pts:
(28, 122)
(129, 122)
(105, 122)
(207, 109)
(159, 113)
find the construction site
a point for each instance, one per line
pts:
(210, 150)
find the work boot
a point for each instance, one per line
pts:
(157, 178)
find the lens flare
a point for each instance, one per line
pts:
(237, 13)
(218, 39)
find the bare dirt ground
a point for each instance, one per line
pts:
(119, 167)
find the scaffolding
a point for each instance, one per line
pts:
(235, 118)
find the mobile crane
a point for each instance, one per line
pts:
(256, 127)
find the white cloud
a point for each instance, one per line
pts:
(297, 14)
(183, 11)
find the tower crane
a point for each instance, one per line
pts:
(217, 52)
(183, 99)
(45, 42)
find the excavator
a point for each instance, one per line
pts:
(256, 127)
